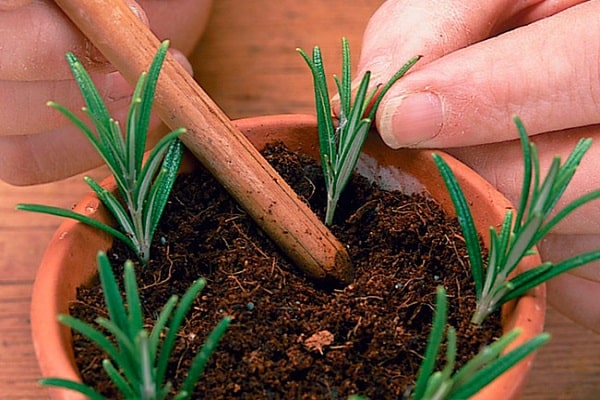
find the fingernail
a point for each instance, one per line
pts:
(115, 87)
(92, 54)
(182, 59)
(138, 11)
(410, 120)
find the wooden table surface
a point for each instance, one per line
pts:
(247, 62)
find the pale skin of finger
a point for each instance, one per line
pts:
(8, 5)
(556, 247)
(471, 85)
(52, 154)
(401, 29)
(576, 298)
(34, 71)
(25, 96)
(57, 154)
(16, 114)
(536, 10)
(34, 38)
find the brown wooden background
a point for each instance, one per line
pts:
(248, 64)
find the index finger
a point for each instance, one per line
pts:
(7, 5)
(545, 72)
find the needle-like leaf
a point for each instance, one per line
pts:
(517, 238)
(143, 189)
(340, 146)
(491, 362)
(137, 360)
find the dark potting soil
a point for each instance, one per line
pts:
(292, 338)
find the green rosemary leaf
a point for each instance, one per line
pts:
(465, 219)
(181, 395)
(351, 155)
(489, 372)
(535, 160)
(497, 255)
(75, 386)
(495, 262)
(107, 130)
(524, 278)
(345, 88)
(157, 200)
(160, 324)
(79, 124)
(92, 98)
(568, 209)
(164, 392)
(155, 203)
(343, 95)
(487, 355)
(135, 140)
(579, 151)
(124, 157)
(174, 325)
(147, 98)
(116, 209)
(551, 272)
(433, 344)
(436, 386)
(93, 334)
(148, 385)
(401, 72)
(450, 354)
(128, 356)
(119, 381)
(503, 241)
(527, 171)
(149, 88)
(340, 147)
(118, 323)
(567, 171)
(112, 294)
(61, 212)
(355, 116)
(199, 362)
(324, 122)
(543, 199)
(135, 321)
(525, 241)
(153, 162)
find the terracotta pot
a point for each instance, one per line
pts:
(70, 258)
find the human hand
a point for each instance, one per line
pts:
(481, 65)
(37, 144)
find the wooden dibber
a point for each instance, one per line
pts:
(130, 46)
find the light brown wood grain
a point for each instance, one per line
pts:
(248, 65)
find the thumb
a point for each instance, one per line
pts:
(545, 72)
